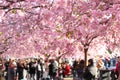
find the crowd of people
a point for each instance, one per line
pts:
(32, 69)
(39, 69)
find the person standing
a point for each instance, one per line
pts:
(39, 70)
(80, 70)
(2, 68)
(20, 68)
(52, 70)
(74, 68)
(7, 62)
(32, 69)
(67, 69)
(11, 71)
(117, 70)
(25, 70)
(91, 71)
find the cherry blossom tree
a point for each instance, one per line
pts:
(86, 21)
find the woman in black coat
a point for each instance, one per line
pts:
(20, 68)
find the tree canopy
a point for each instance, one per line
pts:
(58, 27)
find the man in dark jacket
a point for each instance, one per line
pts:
(52, 70)
(32, 69)
(39, 70)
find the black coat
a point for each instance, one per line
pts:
(52, 69)
(20, 68)
(32, 68)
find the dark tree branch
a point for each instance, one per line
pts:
(10, 2)
(91, 39)
(5, 7)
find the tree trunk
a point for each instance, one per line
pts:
(85, 56)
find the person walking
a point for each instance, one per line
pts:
(20, 68)
(117, 70)
(2, 68)
(11, 71)
(39, 70)
(80, 70)
(32, 69)
(91, 71)
(52, 70)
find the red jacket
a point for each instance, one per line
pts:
(67, 70)
(117, 67)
